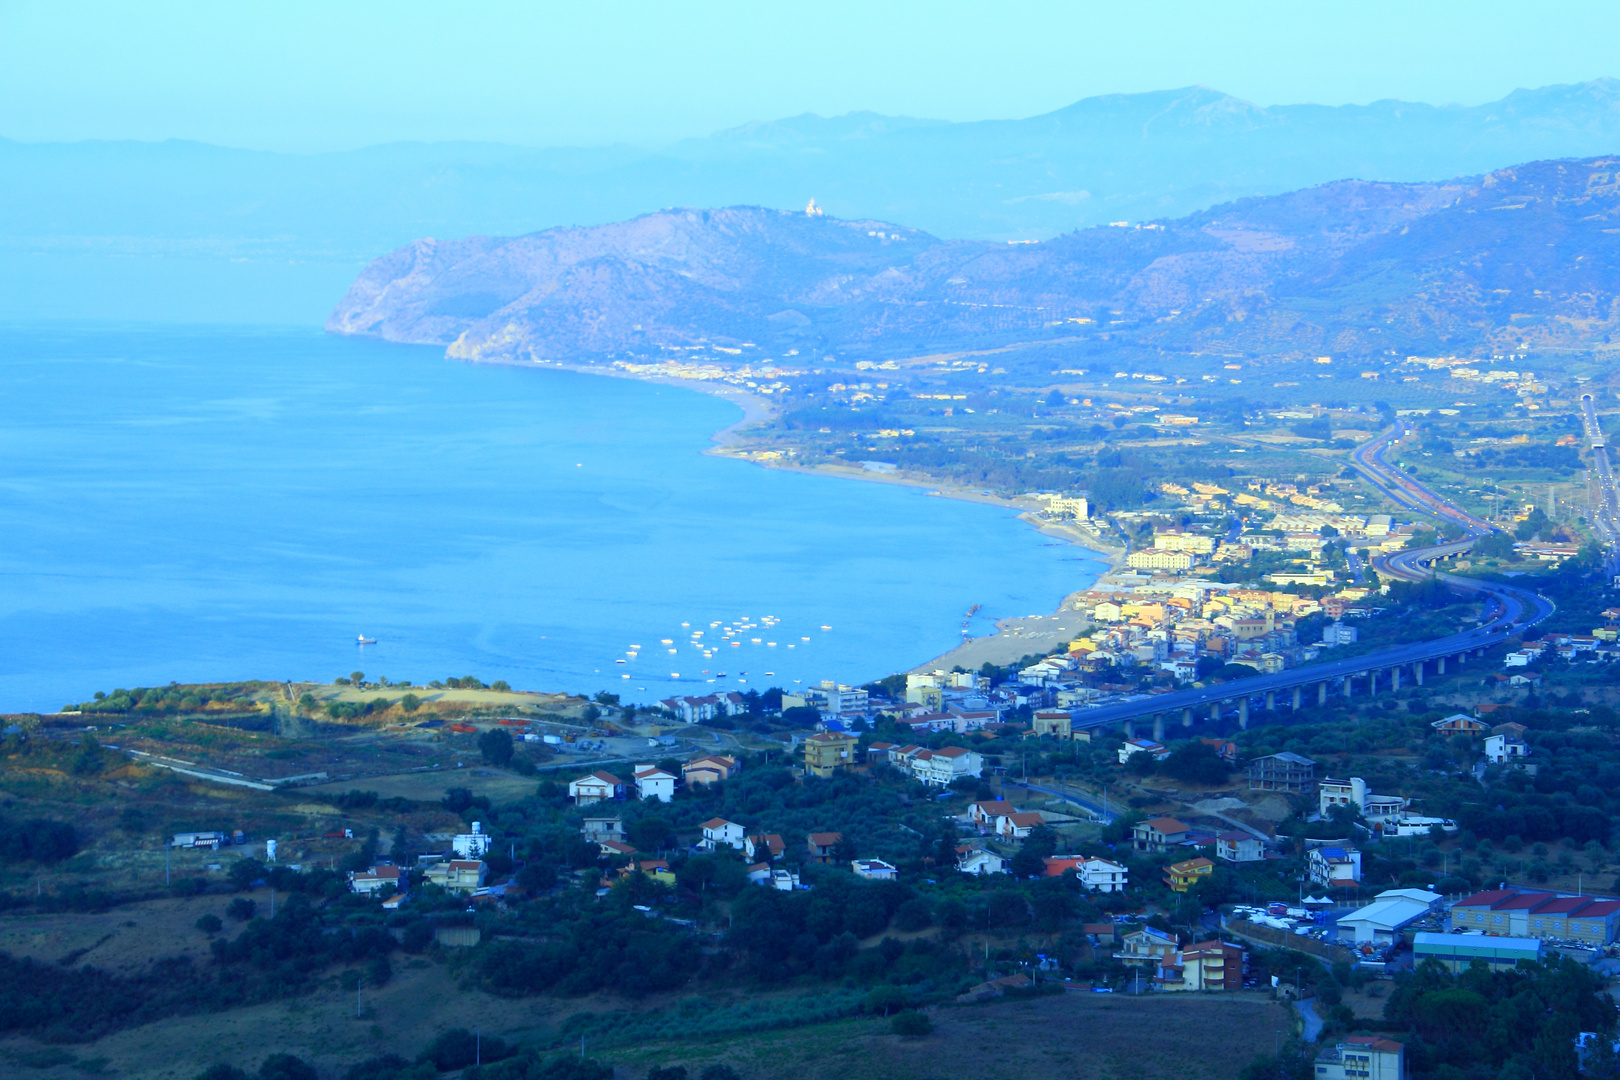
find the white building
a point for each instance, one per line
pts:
(1338, 634)
(941, 767)
(1101, 875)
(979, 861)
(375, 880)
(718, 833)
(874, 869)
(1142, 746)
(1376, 809)
(471, 845)
(846, 701)
(1381, 921)
(1501, 749)
(654, 783)
(597, 787)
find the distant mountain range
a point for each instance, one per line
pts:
(1525, 257)
(190, 231)
(1125, 156)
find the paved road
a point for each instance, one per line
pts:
(1606, 514)
(1508, 609)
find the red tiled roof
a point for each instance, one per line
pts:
(1377, 1042)
(952, 752)
(1028, 820)
(1563, 905)
(1525, 901)
(1166, 825)
(715, 823)
(825, 839)
(1487, 899)
(1599, 909)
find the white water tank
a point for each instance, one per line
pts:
(269, 851)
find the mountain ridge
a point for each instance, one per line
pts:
(1515, 257)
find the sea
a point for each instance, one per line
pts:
(221, 504)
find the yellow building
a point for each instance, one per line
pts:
(826, 752)
(1182, 875)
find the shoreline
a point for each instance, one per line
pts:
(1015, 636)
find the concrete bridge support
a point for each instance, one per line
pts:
(1158, 728)
(1243, 712)
(1271, 700)
(1130, 729)
(1321, 694)
(1394, 678)
(1440, 666)
(1215, 712)
(1349, 686)
(1417, 673)
(1186, 718)
(1297, 694)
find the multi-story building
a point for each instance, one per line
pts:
(1101, 875)
(1239, 847)
(654, 783)
(1376, 809)
(1208, 965)
(1286, 771)
(1335, 867)
(1158, 834)
(1159, 559)
(1183, 875)
(1362, 1057)
(828, 751)
(941, 767)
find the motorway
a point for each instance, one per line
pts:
(1507, 611)
(1606, 513)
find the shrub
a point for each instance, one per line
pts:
(458, 1048)
(241, 909)
(210, 924)
(911, 1024)
(286, 1067)
(223, 1072)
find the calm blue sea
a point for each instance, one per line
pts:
(226, 504)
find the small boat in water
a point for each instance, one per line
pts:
(367, 640)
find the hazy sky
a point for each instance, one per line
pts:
(312, 76)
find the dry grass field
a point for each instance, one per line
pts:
(1107, 1037)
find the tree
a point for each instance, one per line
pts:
(1196, 763)
(649, 833)
(210, 924)
(357, 677)
(911, 1024)
(410, 703)
(496, 746)
(241, 908)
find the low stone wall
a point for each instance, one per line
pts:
(1282, 939)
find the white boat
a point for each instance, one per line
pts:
(620, 661)
(367, 640)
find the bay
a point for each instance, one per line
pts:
(213, 504)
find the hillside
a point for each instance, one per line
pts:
(1520, 257)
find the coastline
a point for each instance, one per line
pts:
(1015, 636)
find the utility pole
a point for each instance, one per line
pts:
(358, 985)
(165, 864)
(478, 1046)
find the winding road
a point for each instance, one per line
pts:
(1508, 610)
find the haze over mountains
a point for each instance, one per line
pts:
(1521, 257)
(176, 223)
